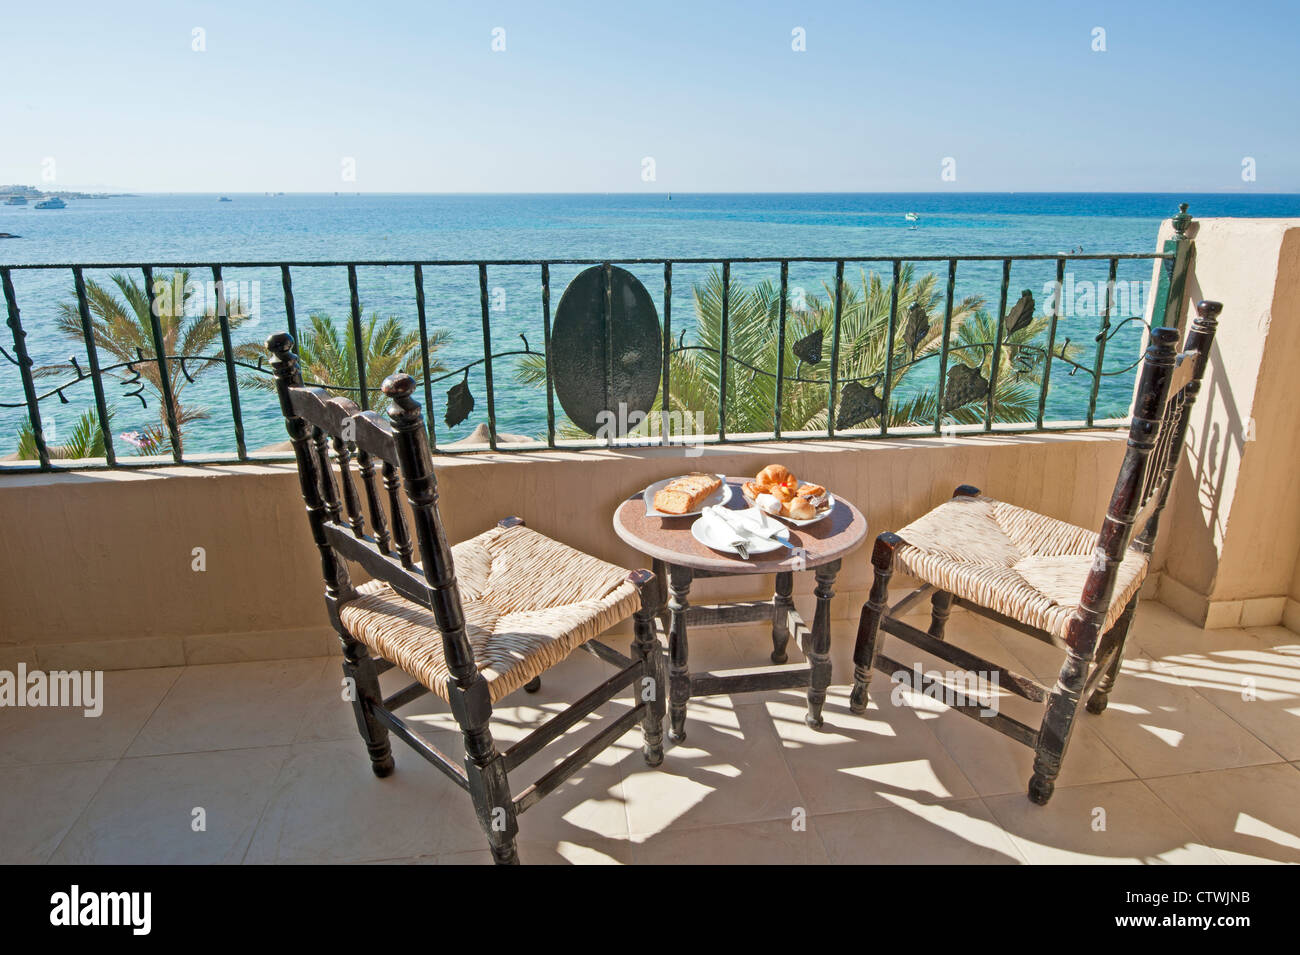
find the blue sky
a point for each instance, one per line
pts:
(583, 93)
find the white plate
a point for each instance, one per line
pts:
(757, 545)
(721, 496)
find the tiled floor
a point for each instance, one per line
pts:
(1194, 761)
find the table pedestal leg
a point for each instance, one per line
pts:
(819, 653)
(679, 674)
(661, 590)
(782, 604)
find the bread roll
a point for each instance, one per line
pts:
(800, 509)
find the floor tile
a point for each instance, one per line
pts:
(64, 734)
(1257, 685)
(1160, 726)
(860, 762)
(1246, 815)
(729, 769)
(40, 803)
(1121, 822)
(776, 842)
(327, 806)
(231, 706)
(144, 813)
(960, 832)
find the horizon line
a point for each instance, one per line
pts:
(644, 192)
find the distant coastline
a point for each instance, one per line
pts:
(31, 192)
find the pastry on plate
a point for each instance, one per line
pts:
(777, 491)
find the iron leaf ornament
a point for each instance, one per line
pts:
(809, 348)
(857, 404)
(918, 324)
(460, 402)
(1021, 314)
(965, 384)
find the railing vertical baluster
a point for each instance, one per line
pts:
(487, 355)
(722, 350)
(835, 348)
(92, 355)
(943, 347)
(1051, 339)
(1101, 340)
(160, 355)
(546, 346)
(888, 385)
(358, 343)
(429, 416)
(25, 370)
(228, 349)
(665, 403)
(780, 350)
(997, 345)
(286, 283)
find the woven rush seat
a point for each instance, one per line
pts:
(1011, 560)
(518, 622)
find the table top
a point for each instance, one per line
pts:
(669, 538)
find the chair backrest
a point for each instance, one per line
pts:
(1166, 391)
(408, 549)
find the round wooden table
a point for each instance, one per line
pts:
(678, 558)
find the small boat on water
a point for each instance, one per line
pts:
(16, 201)
(54, 202)
(912, 217)
(225, 199)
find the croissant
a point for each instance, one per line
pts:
(774, 474)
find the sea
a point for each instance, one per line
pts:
(201, 228)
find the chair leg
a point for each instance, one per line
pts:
(940, 608)
(489, 786)
(1101, 695)
(1058, 723)
(652, 687)
(873, 611)
(360, 669)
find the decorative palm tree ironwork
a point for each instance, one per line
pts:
(328, 357)
(120, 322)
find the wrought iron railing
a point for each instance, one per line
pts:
(851, 398)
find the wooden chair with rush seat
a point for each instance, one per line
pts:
(1064, 585)
(470, 623)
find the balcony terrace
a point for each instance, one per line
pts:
(196, 588)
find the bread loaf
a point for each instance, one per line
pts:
(685, 494)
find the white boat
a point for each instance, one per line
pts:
(16, 201)
(54, 202)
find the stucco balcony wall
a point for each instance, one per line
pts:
(102, 569)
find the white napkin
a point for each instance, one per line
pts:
(725, 524)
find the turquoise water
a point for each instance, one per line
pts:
(334, 227)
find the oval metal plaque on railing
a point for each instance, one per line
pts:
(606, 348)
